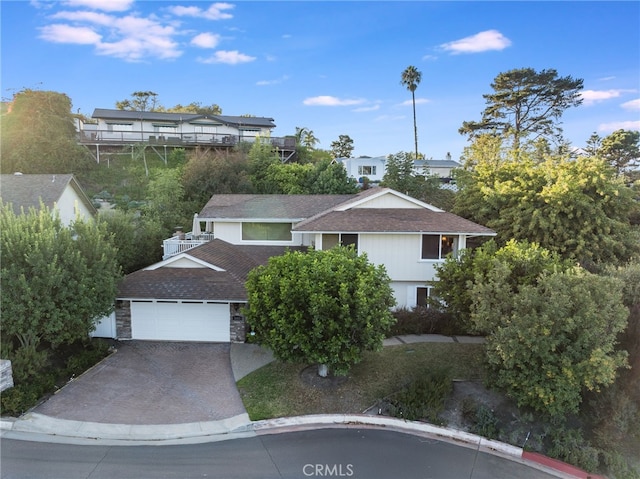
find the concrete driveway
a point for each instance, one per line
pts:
(148, 382)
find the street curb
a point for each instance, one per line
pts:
(460, 438)
(38, 427)
(274, 426)
(40, 424)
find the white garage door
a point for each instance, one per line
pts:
(169, 321)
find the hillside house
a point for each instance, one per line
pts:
(197, 291)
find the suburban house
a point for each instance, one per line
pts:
(197, 291)
(374, 168)
(162, 132)
(60, 192)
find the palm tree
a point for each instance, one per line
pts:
(411, 77)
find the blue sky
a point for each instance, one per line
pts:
(333, 67)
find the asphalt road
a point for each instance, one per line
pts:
(351, 453)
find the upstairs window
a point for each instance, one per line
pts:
(120, 126)
(366, 170)
(266, 231)
(329, 240)
(437, 247)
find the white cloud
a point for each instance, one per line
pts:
(229, 57)
(419, 101)
(273, 82)
(326, 100)
(480, 42)
(91, 17)
(106, 5)
(214, 12)
(590, 97)
(131, 38)
(632, 104)
(58, 33)
(366, 108)
(620, 125)
(206, 40)
(390, 118)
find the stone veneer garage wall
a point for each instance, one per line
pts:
(237, 327)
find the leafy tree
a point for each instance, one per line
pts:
(577, 208)
(56, 282)
(410, 79)
(524, 262)
(305, 137)
(323, 307)
(402, 176)
(165, 200)
(288, 179)
(342, 147)
(550, 342)
(140, 101)
(212, 172)
(194, 107)
(331, 178)
(621, 149)
(261, 157)
(323, 177)
(132, 234)
(526, 102)
(38, 135)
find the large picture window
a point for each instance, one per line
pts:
(266, 231)
(366, 170)
(437, 246)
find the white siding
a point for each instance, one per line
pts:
(105, 327)
(70, 204)
(406, 293)
(388, 201)
(183, 263)
(400, 253)
(229, 232)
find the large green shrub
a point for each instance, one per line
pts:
(324, 307)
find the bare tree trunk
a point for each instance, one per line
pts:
(323, 370)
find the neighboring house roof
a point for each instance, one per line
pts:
(391, 220)
(284, 207)
(437, 163)
(201, 283)
(128, 115)
(26, 191)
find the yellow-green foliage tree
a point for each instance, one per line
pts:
(578, 208)
(38, 135)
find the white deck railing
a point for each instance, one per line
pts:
(175, 245)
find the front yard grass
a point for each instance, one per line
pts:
(279, 389)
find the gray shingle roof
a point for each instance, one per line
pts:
(26, 191)
(238, 121)
(391, 220)
(270, 206)
(202, 283)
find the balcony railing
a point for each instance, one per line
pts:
(173, 139)
(179, 244)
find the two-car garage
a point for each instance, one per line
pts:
(180, 321)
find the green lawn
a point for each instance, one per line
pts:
(279, 389)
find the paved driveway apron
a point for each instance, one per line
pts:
(148, 382)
